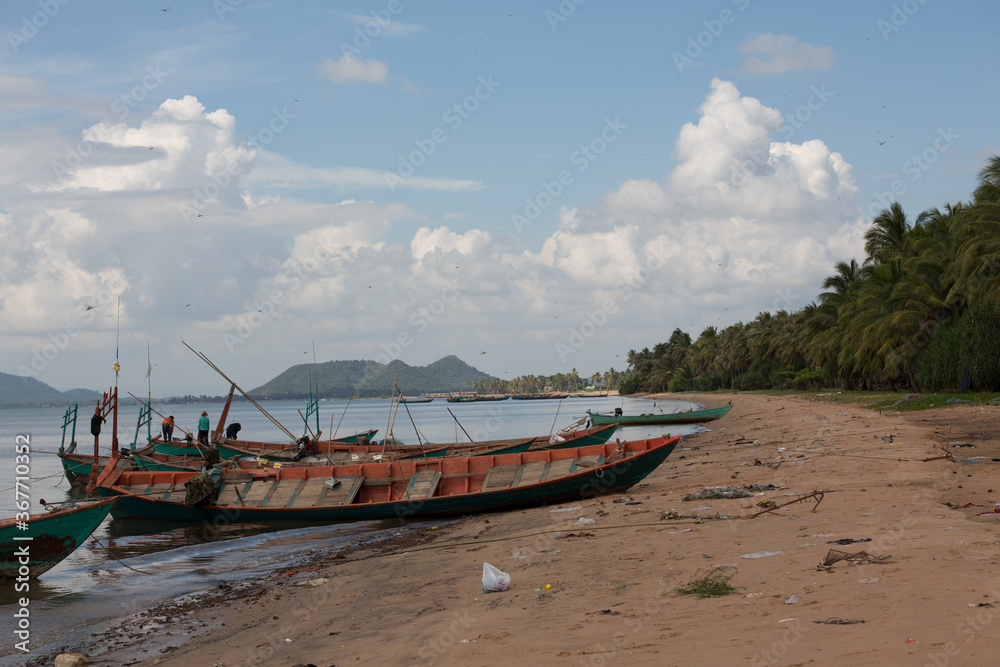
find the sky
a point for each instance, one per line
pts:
(534, 187)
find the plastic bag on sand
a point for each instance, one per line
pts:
(494, 580)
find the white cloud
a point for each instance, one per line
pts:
(274, 171)
(742, 222)
(770, 53)
(349, 69)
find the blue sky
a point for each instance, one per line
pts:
(534, 187)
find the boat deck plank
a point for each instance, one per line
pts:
(258, 492)
(310, 492)
(423, 484)
(502, 476)
(283, 493)
(532, 473)
(342, 494)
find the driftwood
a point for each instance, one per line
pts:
(835, 556)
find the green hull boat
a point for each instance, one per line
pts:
(46, 539)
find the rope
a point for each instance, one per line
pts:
(98, 543)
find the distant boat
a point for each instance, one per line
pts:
(48, 537)
(472, 398)
(416, 399)
(393, 490)
(537, 397)
(687, 417)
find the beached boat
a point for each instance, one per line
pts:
(393, 490)
(687, 417)
(47, 538)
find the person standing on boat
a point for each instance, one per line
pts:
(168, 428)
(96, 421)
(203, 428)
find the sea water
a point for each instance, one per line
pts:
(132, 564)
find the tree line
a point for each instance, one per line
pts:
(918, 312)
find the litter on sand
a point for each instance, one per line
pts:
(567, 509)
(494, 580)
(762, 554)
(834, 556)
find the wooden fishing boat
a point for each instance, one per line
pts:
(326, 451)
(537, 397)
(47, 538)
(474, 398)
(190, 448)
(687, 417)
(416, 399)
(393, 490)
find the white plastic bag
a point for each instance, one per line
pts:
(494, 580)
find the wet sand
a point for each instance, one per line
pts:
(604, 593)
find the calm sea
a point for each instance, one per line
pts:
(98, 581)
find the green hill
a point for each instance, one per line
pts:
(17, 390)
(341, 379)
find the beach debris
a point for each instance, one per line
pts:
(584, 521)
(564, 536)
(911, 640)
(834, 556)
(792, 599)
(626, 499)
(906, 399)
(516, 555)
(834, 620)
(717, 493)
(762, 554)
(494, 580)
(768, 503)
(567, 509)
(71, 660)
(313, 582)
(872, 580)
(848, 540)
(818, 495)
(544, 588)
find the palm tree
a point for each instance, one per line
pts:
(886, 238)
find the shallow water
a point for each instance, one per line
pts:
(101, 579)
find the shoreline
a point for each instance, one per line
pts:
(604, 591)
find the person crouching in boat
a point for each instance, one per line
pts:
(307, 446)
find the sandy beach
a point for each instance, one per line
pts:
(603, 593)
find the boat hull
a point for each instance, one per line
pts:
(53, 537)
(609, 477)
(692, 417)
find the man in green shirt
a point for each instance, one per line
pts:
(203, 429)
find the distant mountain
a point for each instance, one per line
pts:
(16, 390)
(341, 379)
